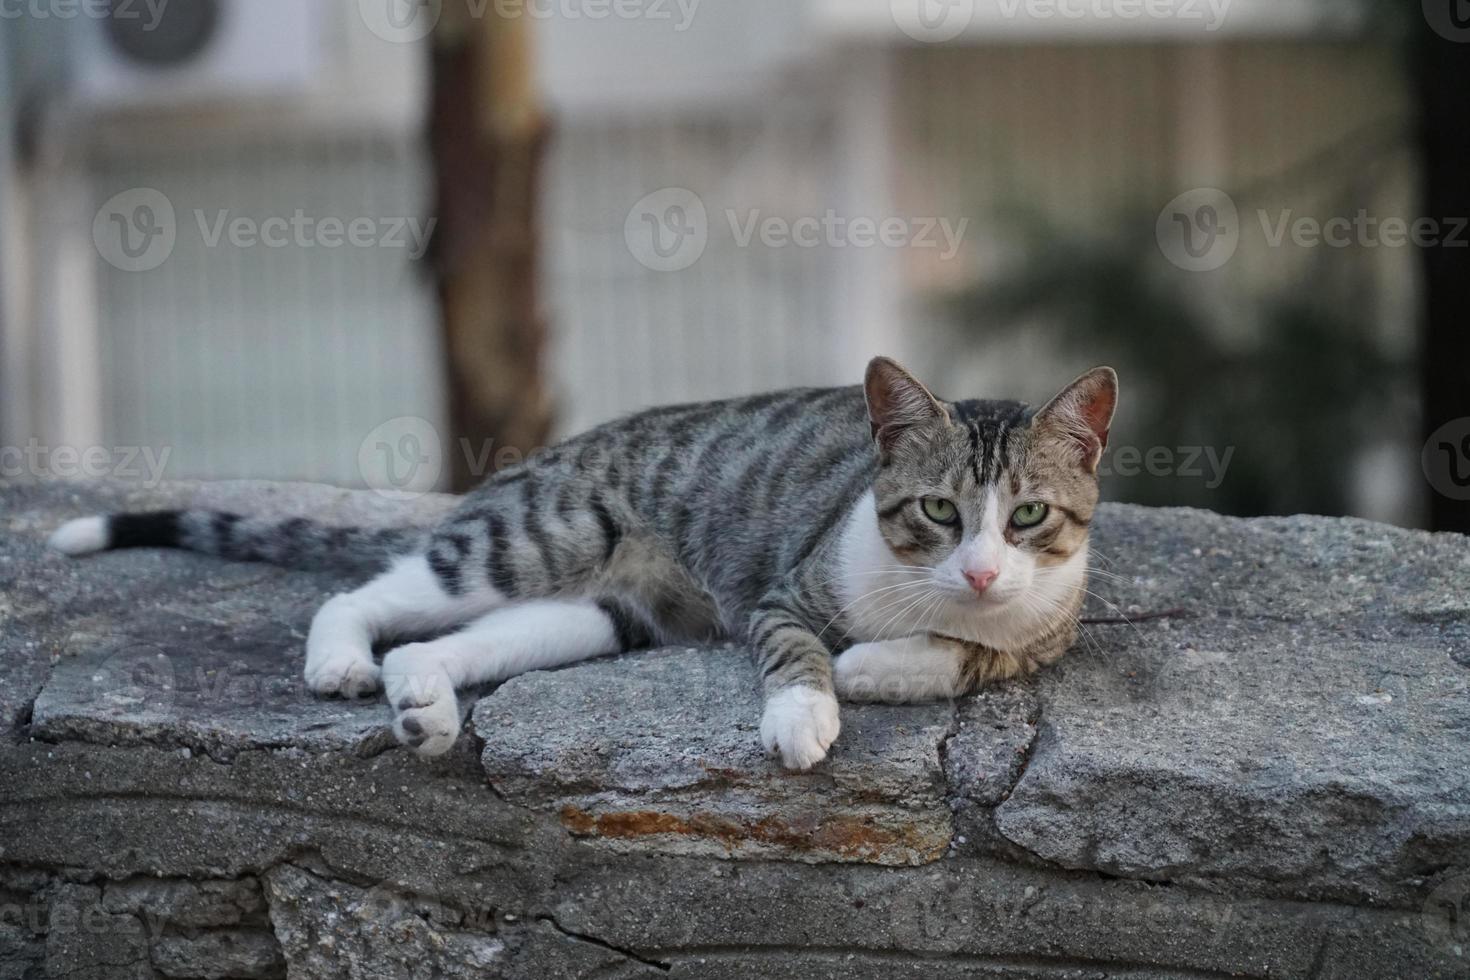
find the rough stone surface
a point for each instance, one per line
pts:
(685, 773)
(220, 955)
(86, 943)
(1271, 781)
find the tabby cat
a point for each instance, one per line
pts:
(934, 545)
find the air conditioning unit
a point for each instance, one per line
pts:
(148, 54)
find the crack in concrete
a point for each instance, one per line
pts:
(550, 920)
(473, 924)
(1028, 751)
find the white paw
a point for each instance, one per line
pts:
(347, 674)
(896, 672)
(801, 723)
(852, 682)
(425, 709)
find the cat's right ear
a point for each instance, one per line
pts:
(897, 402)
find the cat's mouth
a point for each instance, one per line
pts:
(971, 601)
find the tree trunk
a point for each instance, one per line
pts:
(1442, 67)
(488, 137)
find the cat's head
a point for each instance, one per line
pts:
(993, 498)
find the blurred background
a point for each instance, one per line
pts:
(399, 243)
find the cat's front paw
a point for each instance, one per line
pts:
(801, 723)
(425, 709)
(346, 674)
(850, 676)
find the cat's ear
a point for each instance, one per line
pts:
(897, 402)
(1082, 414)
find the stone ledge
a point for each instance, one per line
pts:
(1274, 781)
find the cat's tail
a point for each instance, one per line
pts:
(292, 542)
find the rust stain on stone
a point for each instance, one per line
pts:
(853, 838)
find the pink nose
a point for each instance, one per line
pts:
(980, 581)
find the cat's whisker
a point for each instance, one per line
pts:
(899, 587)
(898, 616)
(899, 600)
(1117, 609)
(1046, 606)
(840, 577)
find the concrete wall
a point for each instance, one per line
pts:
(1271, 779)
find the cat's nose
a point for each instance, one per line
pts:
(980, 581)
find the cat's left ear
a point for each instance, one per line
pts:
(897, 402)
(1082, 414)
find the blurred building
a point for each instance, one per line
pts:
(244, 351)
(276, 362)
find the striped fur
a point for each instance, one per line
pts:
(690, 522)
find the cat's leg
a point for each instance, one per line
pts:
(535, 635)
(906, 670)
(411, 597)
(800, 719)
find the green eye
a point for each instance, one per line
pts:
(940, 511)
(1029, 515)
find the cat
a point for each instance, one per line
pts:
(933, 546)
